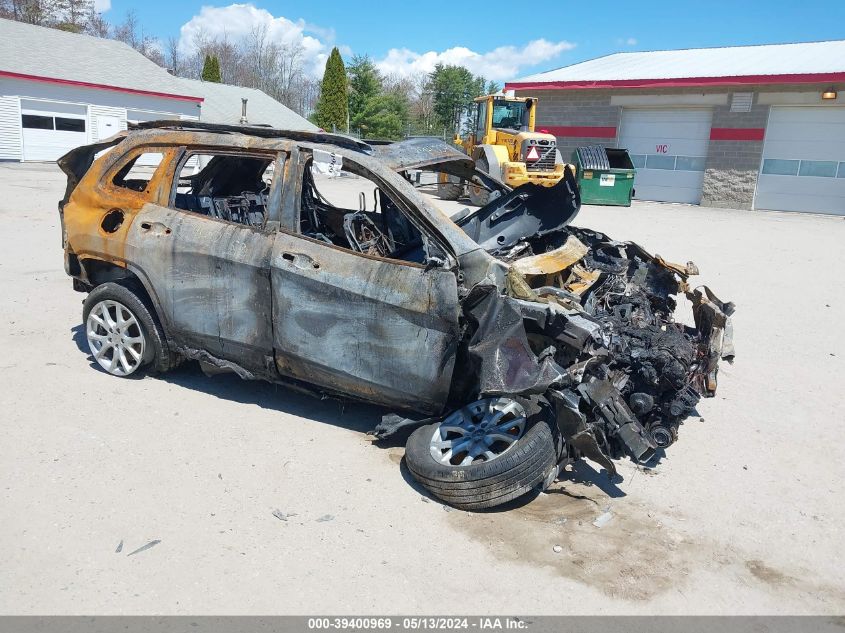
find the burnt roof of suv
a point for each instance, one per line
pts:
(339, 140)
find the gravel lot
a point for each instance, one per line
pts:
(744, 515)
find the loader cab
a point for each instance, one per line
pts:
(510, 115)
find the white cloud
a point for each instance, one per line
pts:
(101, 6)
(238, 21)
(628, 41)
(502, 63)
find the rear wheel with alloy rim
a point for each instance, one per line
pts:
(115, 338)
(123, 332)
(486, 453)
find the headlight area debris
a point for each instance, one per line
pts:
(588, 323)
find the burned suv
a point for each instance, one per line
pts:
(510, 342)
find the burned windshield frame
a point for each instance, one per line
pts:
(435, 248)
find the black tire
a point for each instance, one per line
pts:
(449, 190)
(158, 357)
(527, 465)
(479, 195)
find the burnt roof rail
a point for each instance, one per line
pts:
(261, 131)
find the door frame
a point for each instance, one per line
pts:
(250, 354)
(304, 267)
(292, 203)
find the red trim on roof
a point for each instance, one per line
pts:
(85, 84)
(583, 131)
(737, 133)
(678, 82)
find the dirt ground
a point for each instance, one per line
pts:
(743, 516)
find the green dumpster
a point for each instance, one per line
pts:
(605, 175)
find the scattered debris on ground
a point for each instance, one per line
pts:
(603, 519)
(144, 548)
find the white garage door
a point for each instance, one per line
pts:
(51, 129)
(803, 161)
(669, 149)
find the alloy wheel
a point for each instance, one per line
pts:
(479, 432)
(115, 338)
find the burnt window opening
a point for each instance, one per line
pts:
(137, 173)
(350, 210)
(230, 187)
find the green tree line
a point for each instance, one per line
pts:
(360, 99)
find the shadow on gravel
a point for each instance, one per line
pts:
(349, 415)
(583, 473)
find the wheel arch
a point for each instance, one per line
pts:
(98, 272)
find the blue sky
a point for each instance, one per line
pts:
(504, 41)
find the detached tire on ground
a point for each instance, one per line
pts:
(123, 332)
(513, 466)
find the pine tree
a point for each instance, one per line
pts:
(333, 106)
(211, 69)
(365, 82)
(453, 88)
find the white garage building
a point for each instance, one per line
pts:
(59, 90)
(746, 126)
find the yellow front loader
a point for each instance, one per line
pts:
(503, 143)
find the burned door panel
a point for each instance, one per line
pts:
(211, 280)
(378, 329)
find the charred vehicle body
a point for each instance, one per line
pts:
(511, 342)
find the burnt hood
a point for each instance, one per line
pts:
(426, 153)
(527, 212)
(511, 216)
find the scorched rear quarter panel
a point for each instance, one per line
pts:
(377, 329)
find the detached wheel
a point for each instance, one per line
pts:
(485, 454)
(479, 195)
(123, 334)
(449, 190)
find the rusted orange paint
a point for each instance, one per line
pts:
(96, 195)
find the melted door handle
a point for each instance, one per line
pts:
(156, 228)
(301, 261)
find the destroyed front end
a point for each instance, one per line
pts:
(583, 327)
(625, 373)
